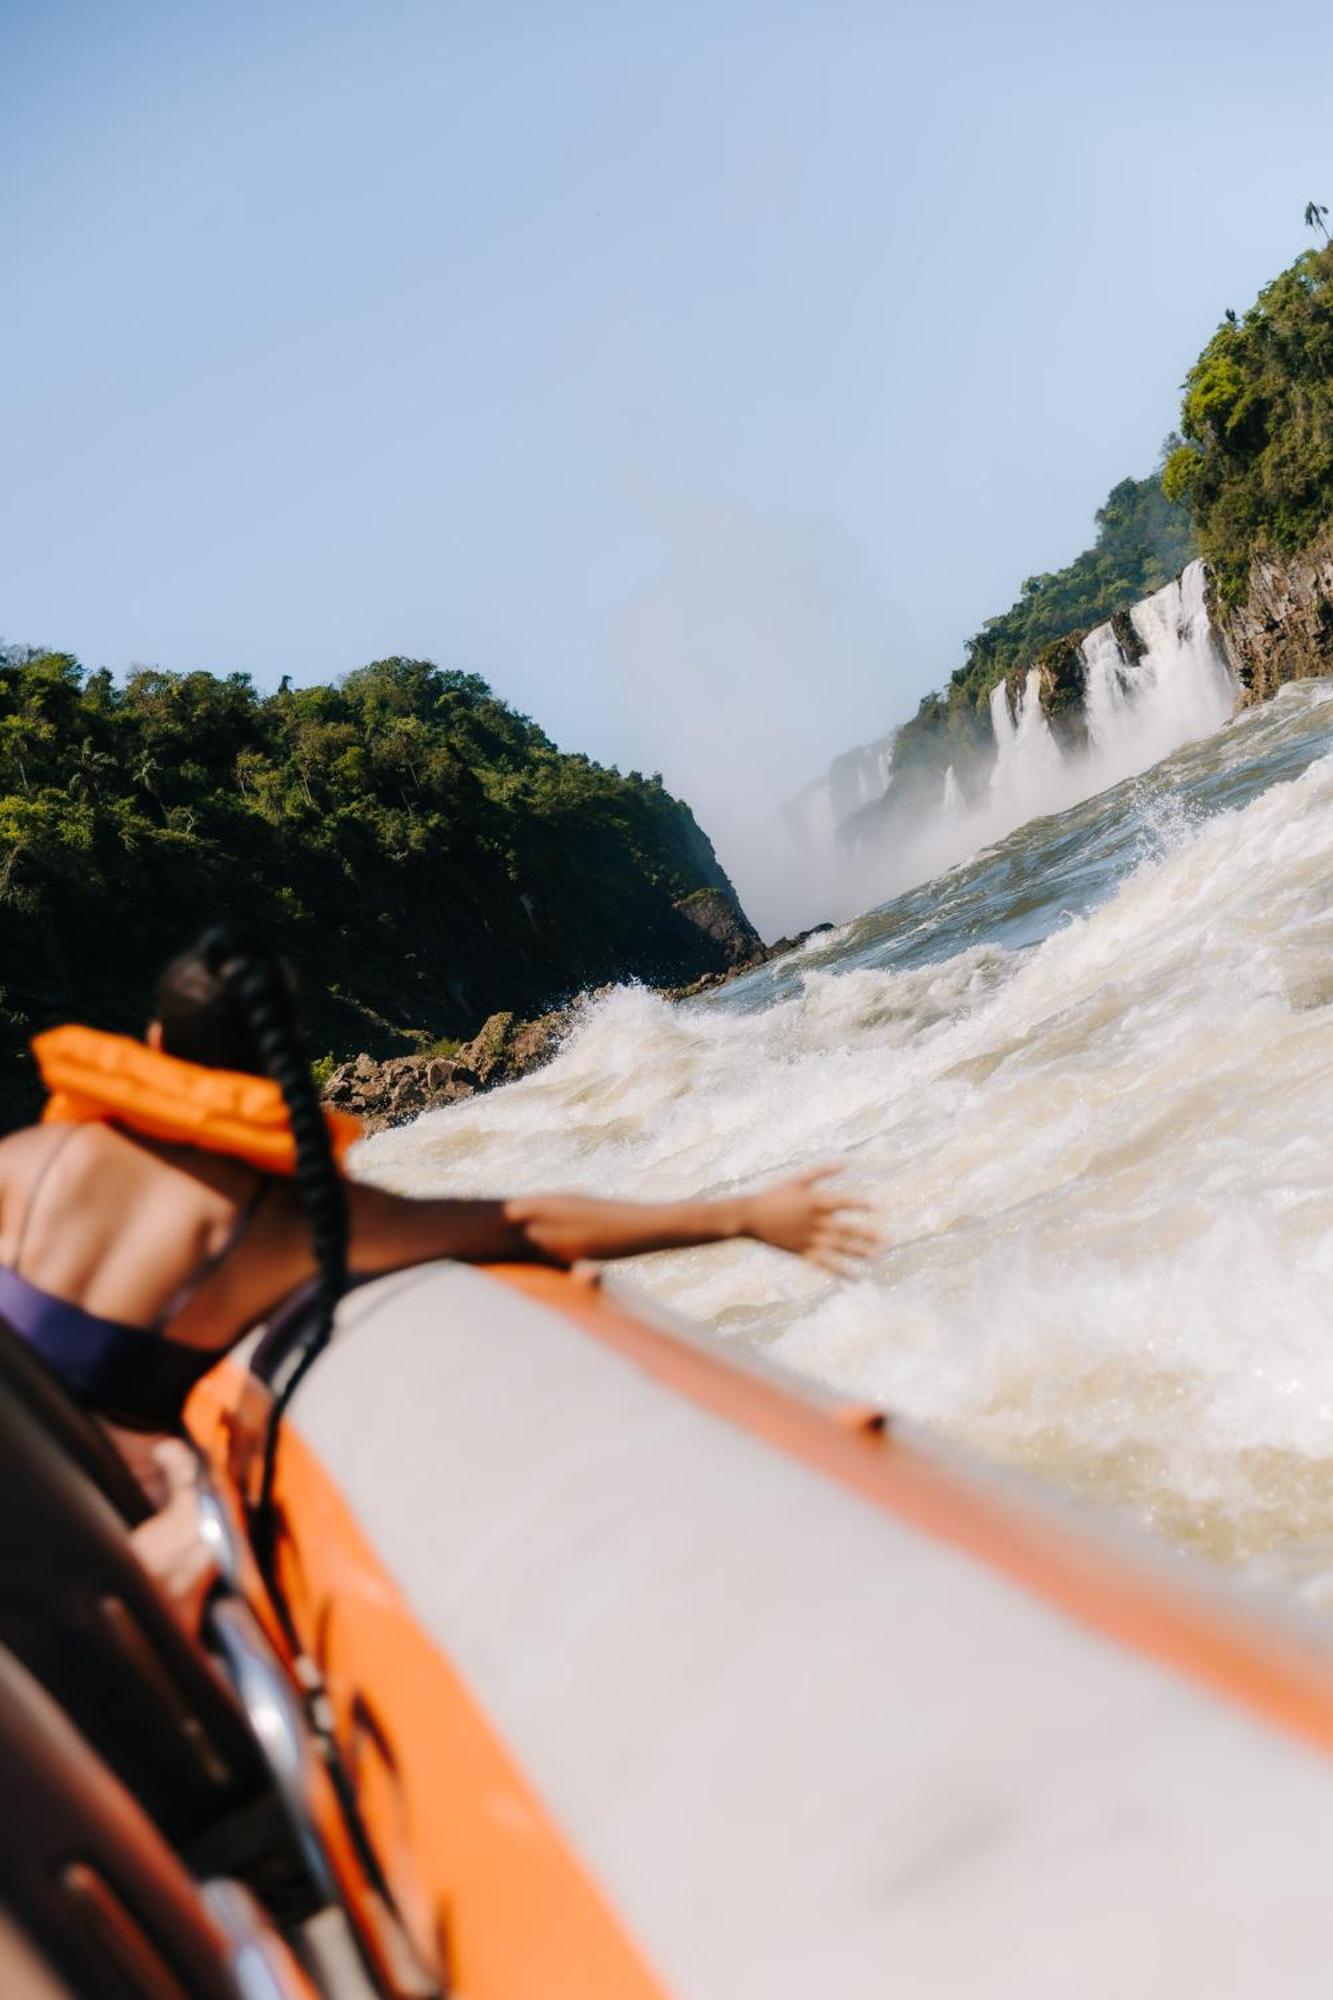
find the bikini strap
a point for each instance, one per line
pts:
(52, 1155)
(199, 1277)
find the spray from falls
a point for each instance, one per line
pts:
(951, 803)
(1163, 684)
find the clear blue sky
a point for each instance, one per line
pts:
(700, 373)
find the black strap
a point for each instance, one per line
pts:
(198, 1278)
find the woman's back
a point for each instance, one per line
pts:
(122, 1228)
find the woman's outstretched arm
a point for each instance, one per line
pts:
(803, 1215)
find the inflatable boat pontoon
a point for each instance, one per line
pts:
(656, 1672)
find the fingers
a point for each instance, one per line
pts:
(178, 1466)
(844, 1249)
(828, 1226)
(829, 1201)
(850, 1222)
(169, 1543)
(864, 1243)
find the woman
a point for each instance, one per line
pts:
(171, 1199)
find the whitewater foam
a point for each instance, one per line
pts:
(1102, 1159)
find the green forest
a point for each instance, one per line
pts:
(423, 853)
(1255, 467)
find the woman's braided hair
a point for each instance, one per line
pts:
(230, 1003)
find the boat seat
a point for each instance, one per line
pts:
(94, 1898)
(27, 1378)
(80, 1611)
(211, 1738)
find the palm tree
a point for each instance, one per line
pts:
(90, 770)
(1314, 218)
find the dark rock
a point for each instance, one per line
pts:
(786, 944)
(535, 1042)
(704, 984)
(711, 980)
(507, 1048)
(724, 924)
(1061, 679)
(1127, 637)
(388, 1093)
(1283, 631)
(487, 1054)
(393, 1091)
(449, 1073)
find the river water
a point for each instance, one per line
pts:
(1086, 1076)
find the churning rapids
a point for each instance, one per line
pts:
(1087, 1076)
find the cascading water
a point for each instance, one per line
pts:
(1170, 686)
(1107, 689)
(1004, 728)
(1139, 710)
(820, 816)
(951, 799)
(1028, 763)
(1087, 1080)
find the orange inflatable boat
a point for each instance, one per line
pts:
(655, 1672)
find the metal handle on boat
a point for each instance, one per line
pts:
(275, 1715)
(217, 1531)
(296, 1761)
(261, 1966)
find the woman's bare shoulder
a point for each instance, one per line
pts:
(27, 1145)
(25, 1152)
(21, 1157)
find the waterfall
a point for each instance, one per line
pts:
(1029, 769)
(1169, 687)
(823, 822)
(1001, 721)
(857, 779)
(951, 801)
(1165, 685)
(1106, 687)
(1180, 688)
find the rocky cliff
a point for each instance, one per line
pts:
(1282, 630)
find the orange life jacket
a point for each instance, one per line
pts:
(93, 1075)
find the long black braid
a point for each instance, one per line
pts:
(231, 1003)
(242, 1013)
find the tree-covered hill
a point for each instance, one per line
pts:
(1256, 467)
(423, 853)
(1250, 476)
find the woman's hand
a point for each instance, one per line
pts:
(169, 1544)
(801, 1215)
(810, 1219)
